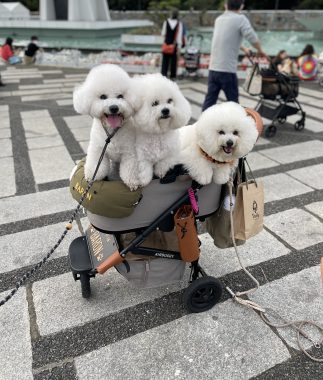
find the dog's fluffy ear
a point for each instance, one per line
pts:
(81, 100)
(134, 94)
(184, 106)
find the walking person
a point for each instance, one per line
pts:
(229, 30)
(172, 32)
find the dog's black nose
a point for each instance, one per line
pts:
(165, 111)
(114, 109)
(230, 143)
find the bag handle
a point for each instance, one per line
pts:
(243, 172)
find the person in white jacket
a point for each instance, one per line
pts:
(172, 32)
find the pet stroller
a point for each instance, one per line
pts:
(278, 97)
(104, 244)
(192, 54)
(320, 70)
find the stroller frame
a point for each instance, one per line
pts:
(278, 106)
(279, 114)
(203, 292)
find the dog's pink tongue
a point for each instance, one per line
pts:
(114, 121)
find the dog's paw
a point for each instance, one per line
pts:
(130, 180)
(203, 178)
(221, 177)
(161, 168)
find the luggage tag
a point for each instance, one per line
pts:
(101, 246)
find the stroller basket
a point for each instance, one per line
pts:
(274, 85)
(156, 197)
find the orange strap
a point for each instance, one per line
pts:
(257, 118)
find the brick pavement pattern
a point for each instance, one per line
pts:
(49, 332)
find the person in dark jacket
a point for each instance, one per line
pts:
(173, 34)
(30, 52)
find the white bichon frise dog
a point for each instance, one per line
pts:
(163, 110)
(106, 95)
(211, 147)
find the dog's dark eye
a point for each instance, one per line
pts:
(170, 100)
(155, 103)
(235, 133)
(120, 96)
(103, 97)
(221, 133)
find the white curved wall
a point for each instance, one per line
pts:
(78, 10)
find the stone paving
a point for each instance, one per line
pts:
(49, 332)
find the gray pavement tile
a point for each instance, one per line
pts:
(79, 76)
(295, 152)
(257, 161)
(59, 299)
(297, 227)
(316, 208)
(196, 111)
(33, 98)
(281, 186)
(34, 115)
(39, 127)
(35, 205)
(78, 121)
(81, 134)
(41, 91)
(44, 142)
(194, 95)
(15, 347)
(310, 175)
(5, 122)
(7, 177)
(5, 133)
(5, 148)
(63, 80)
(4, 107)
(51, 164)
(84, 145)
(228, 342)
(65, 371)
(40, 86)
(219, 262)
(64, 102)
(263, 141)
(28, 247)
(295, 297)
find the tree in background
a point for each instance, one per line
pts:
(203, 5)
(311, 4)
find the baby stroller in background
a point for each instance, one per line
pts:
(278, 96)
(192, 54)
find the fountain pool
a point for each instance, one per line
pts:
(272, 41)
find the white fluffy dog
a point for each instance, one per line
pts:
(163, 110)
(106, 95)
(211, 147)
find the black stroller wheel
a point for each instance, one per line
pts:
(202, 294)
(299, 125)
(270, 131)
(85, 285)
